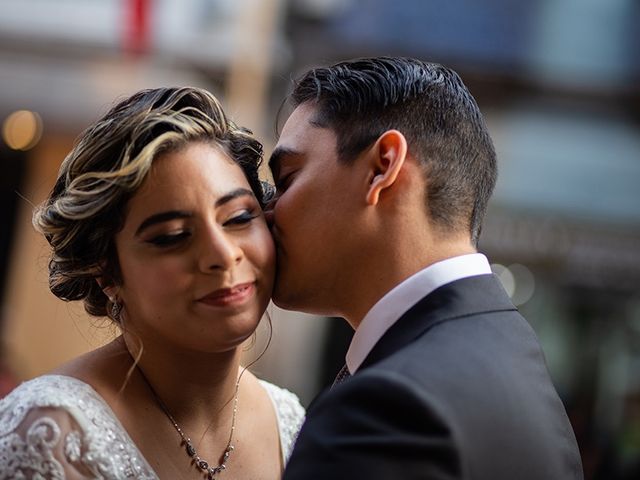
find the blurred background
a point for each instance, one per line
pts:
(558, 81)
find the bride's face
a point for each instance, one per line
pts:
(195, 254)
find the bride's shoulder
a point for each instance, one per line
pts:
(290, 413)
(55, 391)
(49, 402)
(57, 425)
(283, 398)
(42, 426)
(286, 402)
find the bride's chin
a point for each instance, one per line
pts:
(238, 334)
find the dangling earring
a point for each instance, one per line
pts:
(116, 309)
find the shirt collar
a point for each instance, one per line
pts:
(406, 294)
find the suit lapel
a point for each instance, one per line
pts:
(468, 296)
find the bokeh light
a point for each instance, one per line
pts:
(22, 130)
(517, 280)
(524, 284)
(506, 278)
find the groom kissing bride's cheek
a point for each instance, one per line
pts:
(383, 172)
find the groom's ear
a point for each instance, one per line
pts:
(387, 157)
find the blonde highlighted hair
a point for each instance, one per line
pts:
(109, 162)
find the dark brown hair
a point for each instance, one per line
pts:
(361, 99)
(109, 162)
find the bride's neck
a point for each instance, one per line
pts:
(187, 382)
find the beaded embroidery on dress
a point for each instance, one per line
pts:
(56, 425)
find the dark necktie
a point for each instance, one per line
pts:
(343, 374)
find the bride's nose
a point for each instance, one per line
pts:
(219, 251)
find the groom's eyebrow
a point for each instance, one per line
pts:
(278, 155)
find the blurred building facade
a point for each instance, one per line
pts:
(558, 81)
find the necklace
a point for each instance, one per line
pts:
(202, 465)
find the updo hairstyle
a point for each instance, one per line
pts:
(108, 163)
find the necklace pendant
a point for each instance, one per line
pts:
(191, 451)
(196, 460)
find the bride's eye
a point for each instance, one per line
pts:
(243, 218)
(169, 239)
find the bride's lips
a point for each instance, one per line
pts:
(226, 297)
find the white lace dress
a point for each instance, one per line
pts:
(58, 427)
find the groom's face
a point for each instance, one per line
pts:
(313, 218)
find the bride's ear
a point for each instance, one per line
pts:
(108, 288)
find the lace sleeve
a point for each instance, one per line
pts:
(56, 426)
(47, 444)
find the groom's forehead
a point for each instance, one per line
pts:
(302, 136)
(305, 120)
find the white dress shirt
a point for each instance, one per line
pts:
(405, 295)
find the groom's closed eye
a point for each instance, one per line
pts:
(284, 180)
(274, 162)
(281, 158)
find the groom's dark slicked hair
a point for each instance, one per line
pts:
(361, 99)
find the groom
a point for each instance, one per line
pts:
(383, 173)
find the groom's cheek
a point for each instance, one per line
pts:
(268, 216)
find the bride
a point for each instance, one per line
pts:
(156, 221)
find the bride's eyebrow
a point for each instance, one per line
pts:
(238, 192)
(178, 214)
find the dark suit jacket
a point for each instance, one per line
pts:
(456, 389)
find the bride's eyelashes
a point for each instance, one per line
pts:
(169, 239)
(174, 238)
(243, 218)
